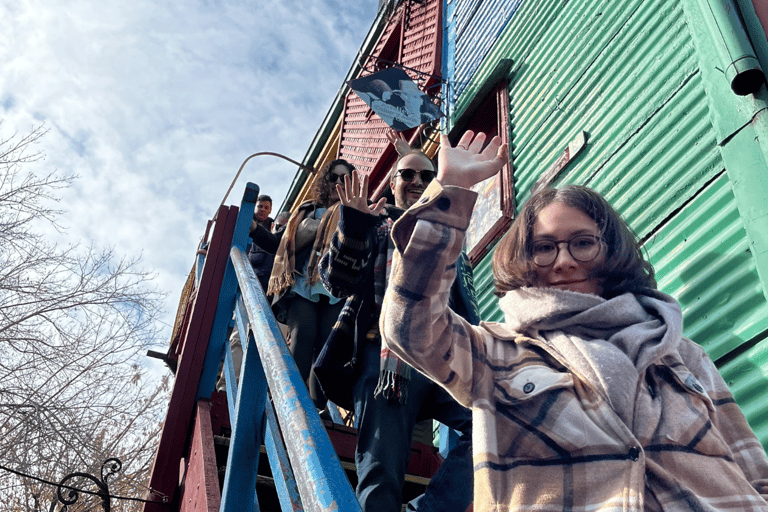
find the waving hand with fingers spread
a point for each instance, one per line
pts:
(469, 163)
(387, 395)
(354, 194)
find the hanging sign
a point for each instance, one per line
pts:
(396, 99)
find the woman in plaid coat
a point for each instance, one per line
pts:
(587, 397)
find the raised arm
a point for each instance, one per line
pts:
(265, 238)
(469, 163)
(354, 194)
(416, 322)
(342, 267)
(401, 146)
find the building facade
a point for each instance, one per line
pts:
(660, 105)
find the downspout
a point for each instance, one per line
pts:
(740, 121)
(739, 62)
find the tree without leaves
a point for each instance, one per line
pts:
(73, 322)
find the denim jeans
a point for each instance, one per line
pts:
(384, 437)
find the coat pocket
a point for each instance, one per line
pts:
(687, 415)
(531, 381)
(550, 413)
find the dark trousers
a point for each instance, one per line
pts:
(309, 324)
(385, 431)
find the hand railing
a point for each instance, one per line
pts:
(305, 467)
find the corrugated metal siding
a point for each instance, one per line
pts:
(601, 75)
(628, 74)
(476, 25)
(701, 257)
(421, 39)
(746, 375)
(487, 302)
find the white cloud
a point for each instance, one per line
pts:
(155, 106)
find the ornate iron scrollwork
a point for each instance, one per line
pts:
(111, 467)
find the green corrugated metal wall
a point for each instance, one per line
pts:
(628, 73)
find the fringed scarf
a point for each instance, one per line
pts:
(284, 270)
(394, 373)
(323, 239)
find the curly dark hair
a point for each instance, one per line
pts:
(321, 191)
(625, 269)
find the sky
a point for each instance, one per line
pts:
(155, 105)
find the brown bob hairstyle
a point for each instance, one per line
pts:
(625, 268)
(321, 190)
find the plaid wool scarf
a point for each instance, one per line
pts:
(609, 342)
(394, 373)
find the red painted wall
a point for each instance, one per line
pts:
(413, 39)
(761, 9)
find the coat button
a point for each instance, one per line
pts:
(443, 203)
(633, 453)
(529, 387)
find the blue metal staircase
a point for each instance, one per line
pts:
(269, 412)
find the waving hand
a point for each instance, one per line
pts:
(468, 163)
(355, 195)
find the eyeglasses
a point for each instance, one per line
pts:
(333, 177)
(408, 174)
(583, 248)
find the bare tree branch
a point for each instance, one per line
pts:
(74, 321)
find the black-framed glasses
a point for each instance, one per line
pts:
(408, 174)
(583, 248)
(333, 177)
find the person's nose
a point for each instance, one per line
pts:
(564, 260)
(417, 180)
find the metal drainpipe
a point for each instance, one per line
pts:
(742, 69)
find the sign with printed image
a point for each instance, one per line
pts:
(396, 99)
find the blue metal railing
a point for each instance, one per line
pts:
(305, 467)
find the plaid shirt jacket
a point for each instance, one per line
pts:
(544, 438)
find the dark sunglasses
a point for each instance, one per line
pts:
(409, 174)
(333, 178)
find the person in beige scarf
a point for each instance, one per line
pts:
(299, 299)
(587, 397)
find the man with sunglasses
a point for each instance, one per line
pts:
(388, 396)
(413, 173)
